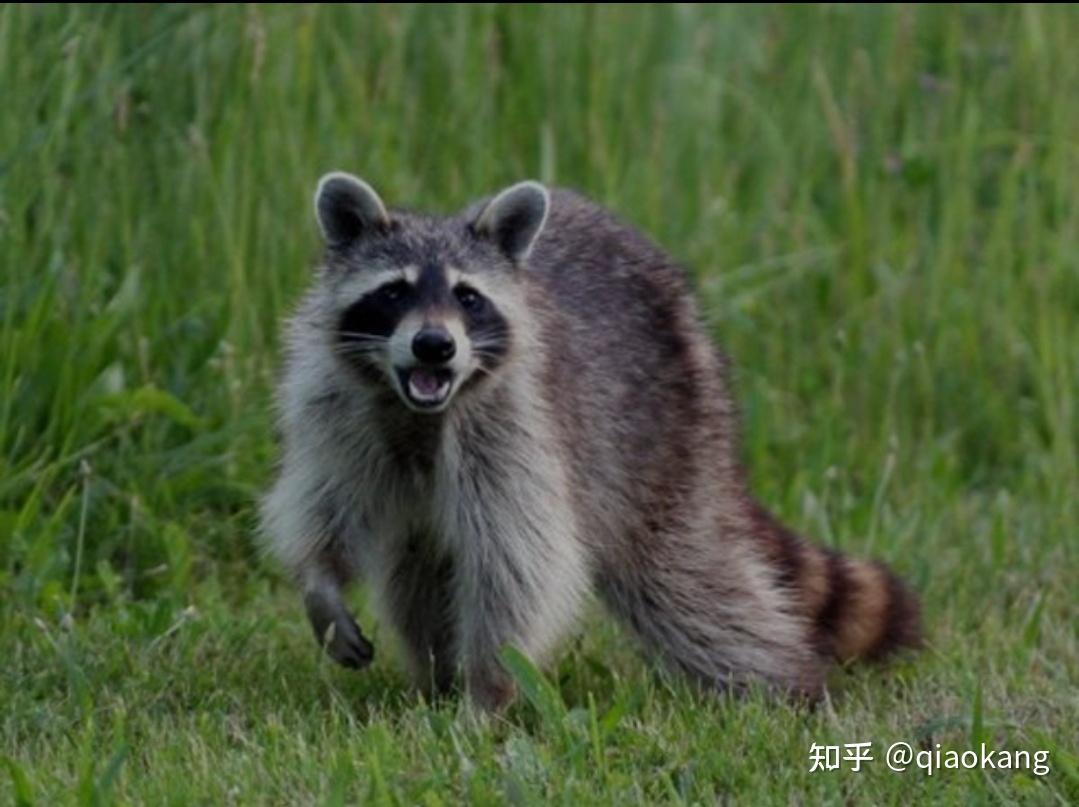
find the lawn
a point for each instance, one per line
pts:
(880, 210)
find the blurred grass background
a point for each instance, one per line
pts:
(880, 208)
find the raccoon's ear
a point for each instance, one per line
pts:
(514, 218)
(348, 209)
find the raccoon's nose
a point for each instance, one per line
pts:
(433, 345)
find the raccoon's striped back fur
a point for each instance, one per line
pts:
(488, 416)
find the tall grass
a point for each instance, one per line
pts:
(879, 207)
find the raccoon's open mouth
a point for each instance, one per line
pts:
(426, 387)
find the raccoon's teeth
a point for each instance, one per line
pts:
(427, 385)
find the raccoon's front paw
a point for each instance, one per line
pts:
(348, 646)
(337, 632)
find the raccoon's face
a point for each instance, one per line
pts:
(423, 305)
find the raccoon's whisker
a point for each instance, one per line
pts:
(356, 350)
(359, 335)
(491, 334)
(357, 344)
(489, 343)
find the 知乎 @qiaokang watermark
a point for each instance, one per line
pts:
(901, 755)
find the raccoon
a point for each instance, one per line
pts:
(492, 416)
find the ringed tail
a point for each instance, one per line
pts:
(858, 609)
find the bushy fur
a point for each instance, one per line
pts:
(598, 454)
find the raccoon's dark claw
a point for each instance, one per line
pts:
(337, 632)
(350, 648)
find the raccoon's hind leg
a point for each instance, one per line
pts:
(713, 611)
(418, 600)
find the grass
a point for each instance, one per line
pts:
(879, 206)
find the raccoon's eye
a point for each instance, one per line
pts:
(469, 298)
(392, 292)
